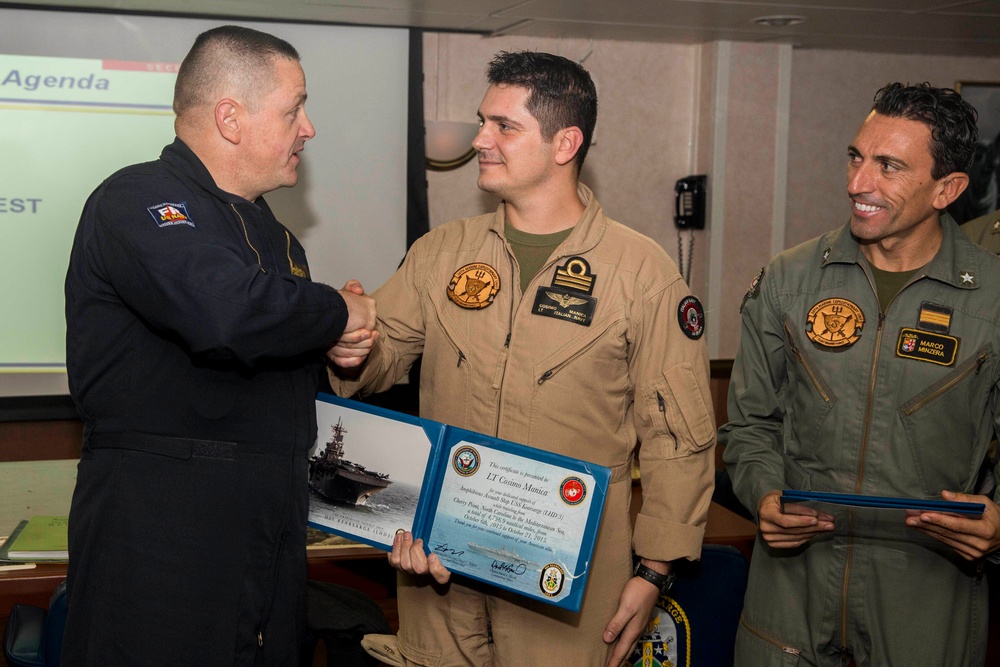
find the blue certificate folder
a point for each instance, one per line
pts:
(974, 510)
(493, 510)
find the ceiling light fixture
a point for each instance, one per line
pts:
(779, 21)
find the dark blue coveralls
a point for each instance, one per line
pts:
(195, 342)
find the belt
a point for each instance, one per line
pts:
(179, 448)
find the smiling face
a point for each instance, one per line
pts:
(276, 132)
(514, 158)
(894, 198)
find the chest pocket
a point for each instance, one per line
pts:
(948, 425)
(596, 354)
(808, 397)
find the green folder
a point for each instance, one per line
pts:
(41, 538)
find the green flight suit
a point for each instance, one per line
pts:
(829, 394)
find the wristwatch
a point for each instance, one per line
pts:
(662, 581)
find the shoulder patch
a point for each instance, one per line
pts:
(691, 317)
(754, 288)
(169, 214)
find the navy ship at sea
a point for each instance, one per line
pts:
(335, 478)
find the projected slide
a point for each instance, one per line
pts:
(85, 94)
(71, 123)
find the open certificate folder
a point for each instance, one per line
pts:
(493, 510)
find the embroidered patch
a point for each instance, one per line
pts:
(666, 639)
(934, 317)
(754, 288)
(691, 317)
(167, 214)
(564, 304)
(297, 269)
(465, 461)
(834, 323)
(474, 286)
(572, 490)
(575, 275)
(551, 581)
(927, 346)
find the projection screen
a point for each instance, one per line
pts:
(83, 94)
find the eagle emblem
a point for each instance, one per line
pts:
(565, 300)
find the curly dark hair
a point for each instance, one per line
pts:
(951, 119)
(561, 92)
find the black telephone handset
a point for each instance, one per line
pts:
(689, 202)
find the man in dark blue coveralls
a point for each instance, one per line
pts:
(195, 341)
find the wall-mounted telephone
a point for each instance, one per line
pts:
(689, 202)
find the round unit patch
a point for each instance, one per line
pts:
(835, 323)
(691, 317)
(572, 490)
(466, 461)
(474, 286)
(551, 581)
(667, 638)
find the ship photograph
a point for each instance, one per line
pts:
(365, 474)
(337, 479)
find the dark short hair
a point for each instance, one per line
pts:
(561, 92)
(241, 56)
(951, 119)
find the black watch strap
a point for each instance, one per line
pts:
(661, 581)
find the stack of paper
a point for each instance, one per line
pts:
(41, 538)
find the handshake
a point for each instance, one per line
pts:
(359, 335)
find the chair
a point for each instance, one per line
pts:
(33, 637)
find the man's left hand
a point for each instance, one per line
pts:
(634, 608)
(971, 538)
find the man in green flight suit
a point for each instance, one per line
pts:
(869, 364)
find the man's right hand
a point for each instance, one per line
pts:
(408, 555)
(791, 528)
(360, 307)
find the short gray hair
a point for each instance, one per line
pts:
(229, 57)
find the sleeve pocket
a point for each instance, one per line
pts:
(680, 410)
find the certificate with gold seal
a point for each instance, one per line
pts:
(493, 510)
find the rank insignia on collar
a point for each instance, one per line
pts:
(926, 346)
(474, 286)
(934, 317)
(168, 214)
(691, 317)
(575, 274)
(835, 323)
(967, 278)
(996, 227)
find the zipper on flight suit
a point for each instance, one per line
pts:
(805, 364)
(864, 445)
(972, 365)
(246, 236)
(662, 405)
(454, 345)
(784, 648)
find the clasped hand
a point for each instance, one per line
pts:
(359, 335)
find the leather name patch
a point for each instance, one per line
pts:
(927, 346)
(564, 304)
